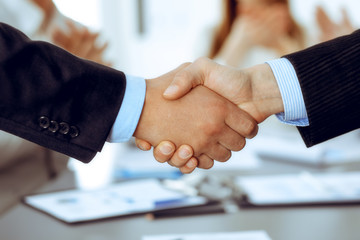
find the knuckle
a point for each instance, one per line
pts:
(250, 129)
(177, 162)
(202, 61)
(238, 145)
(206, 163)
(209, 164)
(211, 128)
(159, 156)
(241, 144)
(225, 157)
(185, 64)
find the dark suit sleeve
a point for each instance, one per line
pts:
(329, 76)
(55, 99)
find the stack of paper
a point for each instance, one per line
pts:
(248, 235)
(302, 188)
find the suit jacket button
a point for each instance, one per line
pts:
(44, 122)
(74, 132)
(54, 127)
(64, 128)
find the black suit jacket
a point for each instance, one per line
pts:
(329, 76)
(55, 99)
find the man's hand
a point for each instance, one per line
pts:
(254, 90)
(204, 120)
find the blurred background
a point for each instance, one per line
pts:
(148, 38)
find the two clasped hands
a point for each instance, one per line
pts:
(202, 111)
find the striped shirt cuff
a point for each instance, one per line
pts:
(130, 111)
(294, 106)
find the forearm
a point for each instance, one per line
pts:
(39, 79)
(329, 77)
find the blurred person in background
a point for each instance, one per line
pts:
(253, 31)
(41, 20)
(329, 29)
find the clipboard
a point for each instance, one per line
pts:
(117, 200)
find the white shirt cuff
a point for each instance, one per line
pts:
(294, 105)
(130, 111)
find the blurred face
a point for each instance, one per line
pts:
(246, 5)
(253, 2)
(266, 10)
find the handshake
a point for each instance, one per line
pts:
(202, 111)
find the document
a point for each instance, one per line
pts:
(246, 235)
(125, 198)
(337, 151)
(300, 189)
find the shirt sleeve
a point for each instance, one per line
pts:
(130, 110)
(294, 105)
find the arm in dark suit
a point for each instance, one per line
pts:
(329, 76)
(55, 99)
(69, 105)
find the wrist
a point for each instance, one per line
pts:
(265, 90)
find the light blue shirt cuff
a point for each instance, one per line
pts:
(294, 105)
(130, 111)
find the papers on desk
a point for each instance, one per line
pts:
(300, 189)
(249, 235)
(126, 198)
(291, 149)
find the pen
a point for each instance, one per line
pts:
(188, 211)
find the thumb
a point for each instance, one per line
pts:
(188, 78)
(182, 83)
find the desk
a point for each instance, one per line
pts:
(320, 223)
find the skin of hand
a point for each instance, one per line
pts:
(254, 90)
(47, 6)
(202, 119)
(330, 29)
(80, 42)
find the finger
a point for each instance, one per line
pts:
(183, 82)
(232, 140)
(188, 78)
(91, 48)
(142, 144)
(75, 36)
(346, 20)
(323, 19)
(205, 162)
(85, 43)
(182, 155)
(71, 26)
(164, 151)
(241, 122)
(101, 49)
(219, 153)
(61, 39)
(190, 166)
